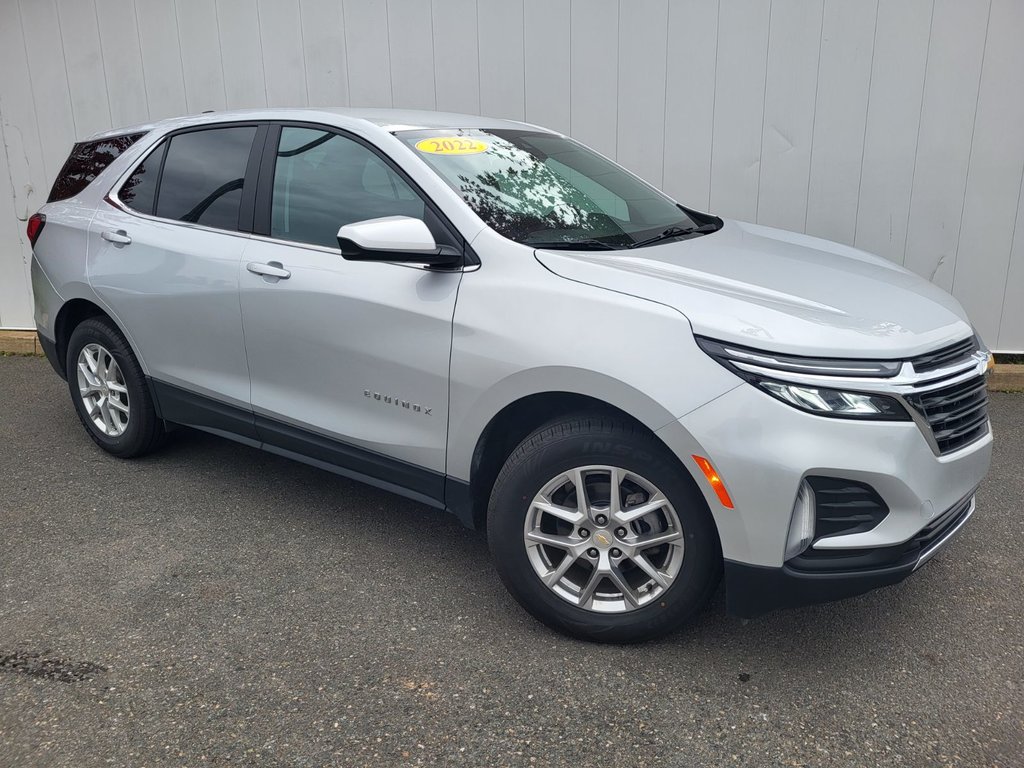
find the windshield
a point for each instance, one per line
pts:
(547, 190)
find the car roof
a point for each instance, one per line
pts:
(385, 120)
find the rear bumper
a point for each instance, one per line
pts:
(50, 350)
(752, 590)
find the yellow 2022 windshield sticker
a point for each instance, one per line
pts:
(451, 145)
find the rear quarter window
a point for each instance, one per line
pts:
(88, 160)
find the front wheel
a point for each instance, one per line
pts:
(597, 532)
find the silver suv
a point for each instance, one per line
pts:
(630, 396)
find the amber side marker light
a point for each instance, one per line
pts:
(716, 482)
(991, 363)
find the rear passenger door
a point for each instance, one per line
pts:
(348, 360)
(164, 258)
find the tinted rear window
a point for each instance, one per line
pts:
(139, 192)
(88, 160)
(203, 176)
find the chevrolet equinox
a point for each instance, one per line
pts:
(632, 397)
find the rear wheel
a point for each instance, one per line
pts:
(598, 533)
(109, 390)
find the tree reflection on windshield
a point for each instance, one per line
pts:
(520, 197)
(543, 189)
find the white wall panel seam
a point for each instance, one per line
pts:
(142, 61)
(302, 44)
(67, 76)
(479, 85)
(1009, 267)
(344, 31)
(814, 118)
(32, 100)
(433, 53)
(714, 108)
(764, 109)
(220, 52)
(714, 96)
(387, 36)
(867, 109)
(103, 63)
(664, 116)
(913, 175)
(664, 100)
(181, 55)
(970, 156)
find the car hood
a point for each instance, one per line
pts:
(779, 291)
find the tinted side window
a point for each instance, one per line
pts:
(203, 176)
(323, 180)
(139, 192)
(88, 160)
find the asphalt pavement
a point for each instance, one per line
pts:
(215, 605)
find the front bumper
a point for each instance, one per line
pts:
(752, 590)
(763, 450)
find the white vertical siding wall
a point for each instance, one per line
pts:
(897, 126)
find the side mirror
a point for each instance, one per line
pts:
(394, 238)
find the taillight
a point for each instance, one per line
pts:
(35, 226)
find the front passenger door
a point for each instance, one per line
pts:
(348, 360)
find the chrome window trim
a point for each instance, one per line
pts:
(113, 194)
(337, 252)
(114, 199)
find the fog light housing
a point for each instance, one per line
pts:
(801, 526)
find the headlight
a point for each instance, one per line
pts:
(769, 372)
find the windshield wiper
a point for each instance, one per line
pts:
(671, 232)
(572, 245)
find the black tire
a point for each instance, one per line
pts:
(578, 441)
(144, 431)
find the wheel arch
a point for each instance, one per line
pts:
(74, 312)
(511, 424)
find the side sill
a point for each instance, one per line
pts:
(180, 406)
(183, 407)
(360, 464)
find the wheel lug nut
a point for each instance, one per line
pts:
(600, 519)
(616, 552)
(584, 533)
(620, 532)
(592, 552)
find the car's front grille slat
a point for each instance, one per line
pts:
(953, 353)
(957, 414)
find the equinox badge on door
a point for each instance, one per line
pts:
(397, 401)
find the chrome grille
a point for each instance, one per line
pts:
(957, 414)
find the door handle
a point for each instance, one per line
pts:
(271, 269)
(119, 237)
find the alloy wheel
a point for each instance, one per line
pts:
(103, 390)
(604, 539)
